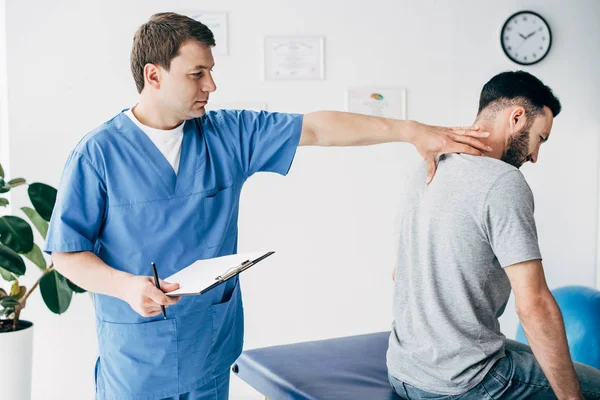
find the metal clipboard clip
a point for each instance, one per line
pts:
(234, 271)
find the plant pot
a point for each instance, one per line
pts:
(16, 348)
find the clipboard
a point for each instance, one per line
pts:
(204, 275)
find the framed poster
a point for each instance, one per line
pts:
(294, 58)
(387, 102)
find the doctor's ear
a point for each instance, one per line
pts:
(517, 119)
(152, 75)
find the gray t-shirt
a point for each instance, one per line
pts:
(456, 236)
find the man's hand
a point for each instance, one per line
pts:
(433, 141)
(145, 298)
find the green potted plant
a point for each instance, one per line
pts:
(17, 249)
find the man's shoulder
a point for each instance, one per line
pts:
(219, 120)
(484, 170)
(474, 177)
(224, 114)
(505, 183)
(242, 116)
(100, 137)
(96, 144)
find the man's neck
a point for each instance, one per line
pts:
(150, 114)
(496, 138)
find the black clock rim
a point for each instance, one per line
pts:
(504, 27)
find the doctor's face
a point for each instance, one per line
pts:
(185, 88)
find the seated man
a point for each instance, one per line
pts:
(466, 239)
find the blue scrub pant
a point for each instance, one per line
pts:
(217, 389)
(516, 376)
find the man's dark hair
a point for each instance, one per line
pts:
(158, 41)
(518, 88)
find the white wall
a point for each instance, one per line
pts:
(4, 160)
(332, 219)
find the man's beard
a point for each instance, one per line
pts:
(517, 149)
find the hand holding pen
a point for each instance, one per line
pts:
(142, 294)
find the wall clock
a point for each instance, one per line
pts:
(526, 38)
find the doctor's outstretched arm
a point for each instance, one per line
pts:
(332, 128)
(138, 291)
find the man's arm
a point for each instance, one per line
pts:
(544, 327)
(88, 271)
(332, 128)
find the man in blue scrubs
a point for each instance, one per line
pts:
(161, 183)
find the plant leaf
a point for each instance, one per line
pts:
(75, 288)
(9, 312)
(17, 291)
(4, 187)
(16, 233)
(13, 183)
(11, 261)
(43, 198)
(3, 293)
(36, 256)
(1, 171)
(7, 276)
(14, 289)
(3, 202)
(36, 219)
(56, 292)
(9, 302)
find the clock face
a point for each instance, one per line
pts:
(526, 38)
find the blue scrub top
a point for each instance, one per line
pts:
(120, 198)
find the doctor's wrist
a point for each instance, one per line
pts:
(407, 130)
(121, 281)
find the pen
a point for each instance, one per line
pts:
(164, 313)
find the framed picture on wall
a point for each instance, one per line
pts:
(387, 102)
(294, 58)
(217, 22)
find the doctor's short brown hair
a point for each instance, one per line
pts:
(158, 41)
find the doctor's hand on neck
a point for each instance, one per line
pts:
(433, 141)
(334, 128)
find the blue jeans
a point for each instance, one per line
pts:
(516, 376)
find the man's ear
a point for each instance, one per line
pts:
(517, 119)
(152, 75)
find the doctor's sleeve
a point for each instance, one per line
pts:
(79, 209)
(265, 141)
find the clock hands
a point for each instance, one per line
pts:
(528, 36)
